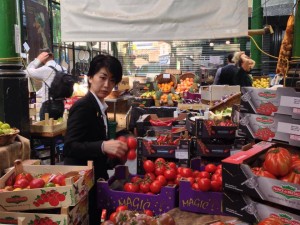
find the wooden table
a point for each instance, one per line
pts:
(51, 137)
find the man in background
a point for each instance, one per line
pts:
(225, 75)
(40, 69)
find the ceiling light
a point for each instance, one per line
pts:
(227, 42)
(211, 44)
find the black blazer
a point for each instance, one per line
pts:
(84, 136)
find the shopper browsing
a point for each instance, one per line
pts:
(40, 69)
(245, 64)
(226, 74)
(87, 131)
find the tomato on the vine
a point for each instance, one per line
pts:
(170, 174)
(121, 208)
(149, 166)
(204, 184)
(148, 212)
(131, 187)
(204, 174)
(186, 172)
(144, 187)
(131, 155)
(155, 187)
(131, 142)
(210, 168)
(162, 180)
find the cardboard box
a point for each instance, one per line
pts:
(280, 128)
(199, 128)
(284, 101)
(216, 92)
(124, 84)
(110, 199)
(70, 194)
(66, 215)
(143, 124)
(42, 127)
(249, 210)
(212, 147)
(238, 177)
(198, 201)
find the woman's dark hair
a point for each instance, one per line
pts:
(111, 63)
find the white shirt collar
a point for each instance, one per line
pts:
(103, 106)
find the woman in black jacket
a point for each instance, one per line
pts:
(87, 127)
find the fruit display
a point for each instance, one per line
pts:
(148, 94)
(184, 85)
(166, 87)
(263, 82)
(131, 143)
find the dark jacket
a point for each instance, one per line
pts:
(227, 74)
(242, 78)
(85, 134)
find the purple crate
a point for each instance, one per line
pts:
(198, 201)
(110, 199)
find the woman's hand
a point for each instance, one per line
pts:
(115, 148)
(43, 57)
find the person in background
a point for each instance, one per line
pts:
(245, 64)
(87, 136)
(40, 69)
(226, 74)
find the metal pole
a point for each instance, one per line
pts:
(296, 44)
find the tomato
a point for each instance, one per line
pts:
(218, 171)
(26, 176)
(131, 142)
(122, 138)
(21, 183)
(144, 187)
(130, 187)
(186, 172)
(149, 177)
(148, 212)
(159, 170)
(292, 177)
(149, 166)
(271, 221)
(59, 179)
(162, 179)
(37, 183)
(296, 165)
(204, 174)
(215, 185)
(136, 179)
(278, 161)
(295, 157)
(155, 187)
(195, 186)
(204, 184)
(112, 217)
(259, 171)
(172, 165)
(131, 155)
(170, 174)
(196, 173)
(160, 161)
(210, 168)
(191, 180)
(121, 208)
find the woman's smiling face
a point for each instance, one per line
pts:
(102, 83)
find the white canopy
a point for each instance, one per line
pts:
(151, 20)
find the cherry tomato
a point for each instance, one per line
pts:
(204, 184)
(112, 217)
(148, 212)
(121, 208)
(149, 166)
(155, 187)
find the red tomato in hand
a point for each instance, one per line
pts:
(278, 161)
(131, 155)
(204, 184)
(121, 208)
(123, 139)
(149, 166)
(131, 142)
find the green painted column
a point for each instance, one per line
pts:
(8, 19)
(296, 44)
(256, 23)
